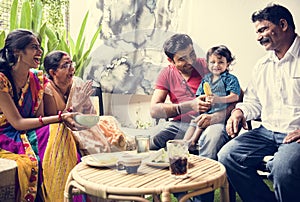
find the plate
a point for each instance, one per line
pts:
(157, 164)
(102, 159)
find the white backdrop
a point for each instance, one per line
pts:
(209, 23)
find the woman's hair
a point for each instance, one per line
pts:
(18, 39)
(220, 51)
(274, 13)
(176, 43)
(52, 61)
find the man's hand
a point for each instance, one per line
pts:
(203, 120)
(200, 105)
(233, 123)
(292, 137)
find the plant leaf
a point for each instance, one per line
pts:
(52, 39)
(82, 28)
(13, 21)
(25, 20)
(2, 39)
(37, 15)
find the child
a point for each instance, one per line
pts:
(225, 87)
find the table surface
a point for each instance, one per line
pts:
(205, 175)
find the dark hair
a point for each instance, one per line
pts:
(176, 43)
(52, 61)
(18, 39)
(274, 13)
(221, 51)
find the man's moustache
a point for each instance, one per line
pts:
(264, 40)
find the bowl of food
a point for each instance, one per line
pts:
(88, 120)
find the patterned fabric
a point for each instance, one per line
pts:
(226, 84)
(45, 153)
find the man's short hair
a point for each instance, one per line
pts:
(176, 43)
(274, 13)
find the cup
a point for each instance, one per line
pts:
(178, 158)
(142, 143)
(129, 163)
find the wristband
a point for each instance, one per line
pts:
(236, 109)
(41, 120)
(178, 110)
(59, 116)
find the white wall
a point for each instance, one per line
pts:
(229, 23)
(209, 23)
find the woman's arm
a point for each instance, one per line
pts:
(50, 107)
(19, 123)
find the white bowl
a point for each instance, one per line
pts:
(87, 120)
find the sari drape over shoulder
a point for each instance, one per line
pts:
(44, 155)
(103, 137)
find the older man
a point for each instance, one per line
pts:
(273, 95)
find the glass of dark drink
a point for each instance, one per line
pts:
(178, 158)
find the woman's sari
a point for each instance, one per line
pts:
(103, 137)
(45, 155)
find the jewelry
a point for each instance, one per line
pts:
(41, 120)
(59, 116)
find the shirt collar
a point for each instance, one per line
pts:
(293, 51)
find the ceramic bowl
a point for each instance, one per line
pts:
(87, 120)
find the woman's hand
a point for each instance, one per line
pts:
(80, 97)
(68, 119)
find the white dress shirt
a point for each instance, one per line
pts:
(274, 91)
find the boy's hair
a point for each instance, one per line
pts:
(220, 51)
(274, 13)
(176, 43)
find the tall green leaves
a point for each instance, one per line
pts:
(31, 17)
(79, 56)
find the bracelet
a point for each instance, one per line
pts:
(41, 120)
(59, 116)
(178, 110)
(236, 109)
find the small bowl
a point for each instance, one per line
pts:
(87, 120)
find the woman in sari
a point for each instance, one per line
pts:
(66, 92)
(25, 132)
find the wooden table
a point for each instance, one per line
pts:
(205, 175)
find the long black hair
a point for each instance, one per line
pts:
(16, 40)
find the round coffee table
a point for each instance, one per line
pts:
(205, 175)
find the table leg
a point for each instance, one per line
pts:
(224, 191)
(166, 196)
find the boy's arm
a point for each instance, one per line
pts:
(232, 97)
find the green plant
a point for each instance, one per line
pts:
(31, 17)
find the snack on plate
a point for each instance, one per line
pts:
(206, 88)
(110, 128)
(159, 156)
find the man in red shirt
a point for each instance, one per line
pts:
(179, 81)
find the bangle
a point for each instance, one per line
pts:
(178, 110)
(237, 109)
(41, 120)
(59, 116)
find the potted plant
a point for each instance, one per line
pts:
(31, 18)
